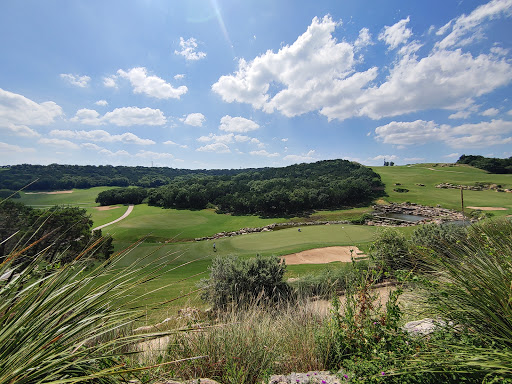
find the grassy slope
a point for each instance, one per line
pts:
(409, 176)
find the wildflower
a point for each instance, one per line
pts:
(383, 373)
(345, 376)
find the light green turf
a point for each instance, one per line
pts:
(409, 176)
(80, 197)
(171, 224)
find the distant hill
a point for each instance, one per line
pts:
(489, 164)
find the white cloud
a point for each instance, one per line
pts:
(9, 148)
(64, 144)
(154, 155)
(364, 39)
(124, 117)
(226, 139)
(79, 81)
(465, 28)
(214, 147)
(305, 158)
(284, 140)
(237, 124)
(509, 112)
(179, 76)
(317, 73)
(263, 153)
(91, 146)
(414, 159)
(194, 119)
(170, 142)
(385, 157)
(20, 130)
(87, 117)
(110, 82)
(189, 50)
(460, 115)
(490, 112)
(478, 135)
(18, 110)
(135, 116)
(151, 85)
(409, 133)
(452, 155)
(101, 136)
(396, 34)
(102, 103)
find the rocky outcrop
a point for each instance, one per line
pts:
(478, 187)
(430, 214)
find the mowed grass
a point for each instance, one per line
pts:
(198, 255)
(430, 176)
(160, 225)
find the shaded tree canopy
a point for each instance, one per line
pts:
(489, 164)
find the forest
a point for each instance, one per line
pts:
(489, 164)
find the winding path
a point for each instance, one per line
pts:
(128, 211)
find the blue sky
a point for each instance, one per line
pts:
(229, 84)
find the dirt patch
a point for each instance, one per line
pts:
(324, 255)
(106, 207)
(489, 208)
(48, 193)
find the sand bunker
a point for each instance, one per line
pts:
(47, 193)
(489, 208)
(106, 207)
(323, 255)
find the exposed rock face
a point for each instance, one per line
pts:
(424, 327)
(480, 187)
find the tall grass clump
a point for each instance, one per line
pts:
(65, 323)
(469, 284)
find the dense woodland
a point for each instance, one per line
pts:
(57, 177)
(489, 164)
(274, 191)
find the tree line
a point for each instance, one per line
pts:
(489, 164)
(289, 190)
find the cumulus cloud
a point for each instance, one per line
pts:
(465, 28)
(63, 144)
(477, 135)
(304, 158)
(170, 142)
(124, 117)
(18, 110)
(452, 155)
(460, 115)
(214, 147)
(264, 153)
(396, 34)
(189, 49)
(364, 39)
(490, 112)
(179, 76)
(194, 119)
(318, 73)
(385, 157)
(237, 124)
(19, 130)
(79, 81)
(101, 136)
(151, 85)
(102, 103)
(230, 138)
(110, 82)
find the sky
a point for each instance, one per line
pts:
(202, 84)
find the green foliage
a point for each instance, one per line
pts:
(489, 164)
(274, 191)
(390, 250)
(7, 193)
(437, 237)
(122, 196)
(471, 287)
(70, 325)
(245, 281)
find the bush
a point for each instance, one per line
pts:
(390, 251)
(438, 237)
(236, 281)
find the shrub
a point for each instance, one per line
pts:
(438, 237)
(390, 251)
(242, 281)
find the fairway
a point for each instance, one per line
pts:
(409, 176)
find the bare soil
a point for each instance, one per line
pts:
(324, 255)
(489, 208)
(48, 193)
(106, 207)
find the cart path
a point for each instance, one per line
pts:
(128, 211)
